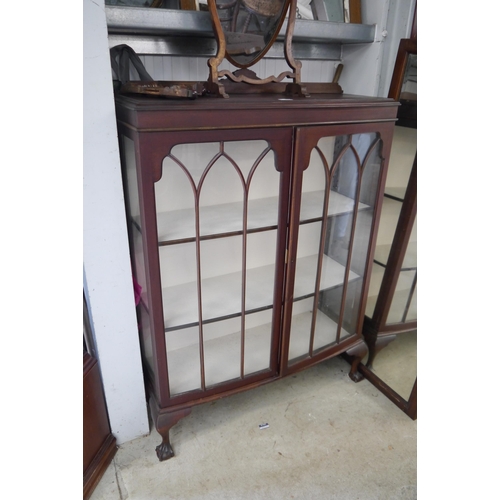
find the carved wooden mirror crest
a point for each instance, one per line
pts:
(245, 30)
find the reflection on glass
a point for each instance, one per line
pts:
(183, 359)
(336, 216)
(404, 302)
(404, 148)
(146, 339)
(362, 232)
(409, 86)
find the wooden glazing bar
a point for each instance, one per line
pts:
(398, 250)
(243, 276)
(351, 243)
(198, 280)
(321, 249)
(353, 232)
(198, 266)
(410, 298)
(217, 236)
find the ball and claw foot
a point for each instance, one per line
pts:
(354, 356)
(164, 451)
(356, 376)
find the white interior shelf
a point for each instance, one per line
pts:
(221, 295)
(400, 298)
(325, 333)
(222, 354)
(396, 192)
(228, 217)
(410, 259)
(222, 359)
(398, 305)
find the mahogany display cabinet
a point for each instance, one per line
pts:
(252, 223)
(392, 303)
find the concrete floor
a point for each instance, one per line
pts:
(328, 438)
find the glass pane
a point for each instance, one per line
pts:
(263, 182)
(175, 195)
(221, 199)
(221, 256)
(179, 284)
(404, 303)
(221, 277)
(324, 212)
(261, 268)
(146, 338)
(389, 217)
(403, 150)
(222, 350)
(131, 178)
(409, 86)
(258, 332)
(245, 153)
(334, 207)
(344, 182)
(139, 266)
(312, 209)
(368, 148)
(396, 364)
(402, 298)
(412, 310)
(183, 359)
(374, 288)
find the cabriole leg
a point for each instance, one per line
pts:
(355, 354)
(163, 423)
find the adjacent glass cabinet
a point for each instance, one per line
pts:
(252, 223)
(390, 327)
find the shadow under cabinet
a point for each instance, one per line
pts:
(390, 328)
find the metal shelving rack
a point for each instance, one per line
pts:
(189, 33)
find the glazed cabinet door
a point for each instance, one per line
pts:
(335, 193)
(210, 237)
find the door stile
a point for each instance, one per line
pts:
(148, 167)
(298, 164)
(385, 132)
(322, 240)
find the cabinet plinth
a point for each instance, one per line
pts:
(251, 227)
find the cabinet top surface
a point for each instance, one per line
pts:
(238, 101)
(149, 113)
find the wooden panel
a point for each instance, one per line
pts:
(99, 445)
(188, 5)
(355, 11)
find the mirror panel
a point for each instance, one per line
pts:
(390, 327)
(250, 27)
(396, 364)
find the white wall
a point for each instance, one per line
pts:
(107, 273)
(368, 67)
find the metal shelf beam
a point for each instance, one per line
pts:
(178, 32)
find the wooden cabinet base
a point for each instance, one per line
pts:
(99, 444)
(98, 466)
